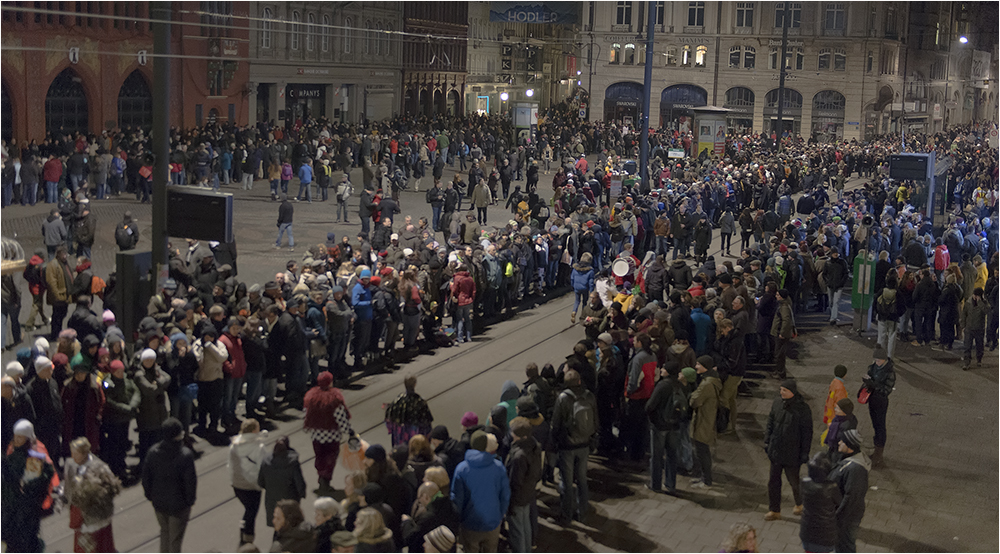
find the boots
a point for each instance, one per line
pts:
(572, 318)
(877, 459)
(324, 488)
(245, 538)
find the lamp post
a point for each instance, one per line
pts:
(590, 68)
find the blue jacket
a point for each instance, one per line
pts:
(305, 174)
(481, 491)
(785, 205)
(315, 322)
(361, 301)
(702, 330)
(582, 281)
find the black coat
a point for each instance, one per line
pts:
(819, 517)
(524, 469)
(440, 511)
(789, 431)
(169, 478)
(281, 478)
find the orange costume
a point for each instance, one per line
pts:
(837, 391)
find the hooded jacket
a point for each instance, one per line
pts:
(463, 288)
(246, 453)
(788, 434)
(705, 402)
(582, 277)
(280, 475)
(481, 491)
(210, 358)
(680, 274)
(169, 479)
(524, 470)
(851, 477)
(153, 405)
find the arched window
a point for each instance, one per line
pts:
(749, 57)
(348, 35)
(839, 60)
(629, 54)
(829, 100)
(378, 38)
(66, 104)
(824, 59)
(793, 99)
(266, 27)
(385, 42)
(368, 37)
(615, 53)
(293, 37)
(735, 53)
(135, 103)
(739, 97)
(701, 56)
(686, 56)
(325, 41)
(311, 32)
(670, 56)
(390, 39)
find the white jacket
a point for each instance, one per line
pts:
(245, 455)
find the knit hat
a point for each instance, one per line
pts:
(173, 429)
(840, 370)
(178, 336)
(374, 494)
(117, 364)
(14, 369)
(147, 354)
(76, 362)
(42, 344)
(441, 538)
(879, 353)
(375, 452)
(60, 358)
(606, 338)
(41, 363)
(791, 385)
(440, 433)
(852, 438)
(470, 419)
(345, 539)
(706, 361)
(617, 306)
(108, 316)
(366, 274)
(24, 428)
(491, 443)
(527, 408)
(846, 405)
(690, 375)
(68, 334)
(324, 379)
(479, 441)
(407, 252)
(520, 427)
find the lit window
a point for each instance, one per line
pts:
(701, 56)
(615, 54)
(670, 56)
(686, 56)
(629, 54)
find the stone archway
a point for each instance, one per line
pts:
(66, 107)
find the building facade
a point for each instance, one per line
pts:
(514, 57)
(434, 69)
(845, 65)
(87, 66)
(339, 60)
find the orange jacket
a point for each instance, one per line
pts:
(837, 391)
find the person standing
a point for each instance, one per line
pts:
(170, 482)
(435, 197)
(58, 282)
(27, 472)
(574, 424)
(974, 323)
(524, 470)
(152, 383)
(305, 181)
(90, 489)
(888, 308)
(463, 292)
(344, 192)
(481, 492)
(482, 199)
(246, 452)
(211, 355)
(280, 476)
(820, 500)
(668, 410)
(851, 476)
(328, 422)
(121, 405)
(638, 389)
(44, 393)
(285, 213)
(786, 440)
(705, 403)
(879, 381)
(835, 273)
(408, 415)
(783, 330)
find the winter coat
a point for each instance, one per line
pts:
(657, 281)
(463, 288)
(788, 434)
(300, 538)
(524, 470)
(851, 477)
(153, 408)
(246, 453)
(93, 413)
(439, 511)
(121, 399)
(783, 325)
(660, 405)
(169, 479)
(881, 380)
(974, 314)
(705, 402)
(280, 475)
(54, 231)
(835, 273)
(236, 365)
(58, 282)
(210, 358)
(680, 274)
(96, 509)
(727, 224)
(820, 501)
(481, 491)
(582, 277)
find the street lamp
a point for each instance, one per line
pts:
(529, 93)
(504, 96)
(963, 39)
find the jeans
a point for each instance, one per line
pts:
(519, 527)
(362, 336)
(172, 528)
(464, 316)
(30, 194)
(182, 410)
(774, 485)
(436, 217)
(664, 445)
(102, 190)
(727, 241)
(878, 406)
(247, 181)
(342, 209)
(703, 461)
(365, 223)
(923, 324)
(480, 541)
(7, 194)
(307, 188)
(847, 536)
(834, 303)
(282, 229)
(324, 193)
(231, 396)
(813, 547)
(76, 181)
(579, 298)
(972, 336)
(481, 215)
(83, 250)
(274, 187)
(887, 337)
(662, 245)
(573, 469)
(210, 403)
(254, 388)
(51, 192)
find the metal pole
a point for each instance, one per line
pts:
(902, 119)
(646, 91)
(160, 12)
(781, 75)
(590, 78)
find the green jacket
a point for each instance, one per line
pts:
(705, 402)
(122, 399)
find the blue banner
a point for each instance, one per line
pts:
(553, 13)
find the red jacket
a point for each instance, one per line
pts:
(941, 257)
(236, 366)
(463, 288)
(93, 412)
(52, 170)
(35, 275)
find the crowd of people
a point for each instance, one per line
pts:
(669, 325)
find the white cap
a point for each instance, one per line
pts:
(24, 428)
(15, 369)
(394, 236)
(407, 252)
(147, 354)
(42, 344)
(42, 362)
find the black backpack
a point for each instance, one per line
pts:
(583, 424)
(123, 237)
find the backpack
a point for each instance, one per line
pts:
(379, 305)
(887, 304)
(123, 237)
(676, 411)
(584, 421)
(721, 419)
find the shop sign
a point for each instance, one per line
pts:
(312, 71)
(305, 91)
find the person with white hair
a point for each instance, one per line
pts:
(27, 472)
(43, 391)
(90, 491)
(16, 406)
(327, 522)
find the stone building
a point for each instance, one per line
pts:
(434, 69)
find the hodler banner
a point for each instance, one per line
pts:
(555, 13)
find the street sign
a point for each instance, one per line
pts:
(583, 112)
(674, 153)
(993, 138)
